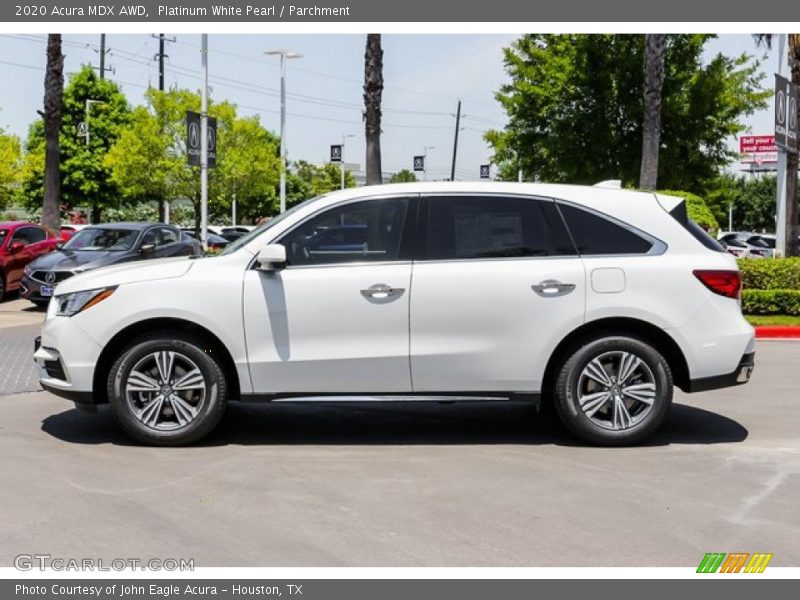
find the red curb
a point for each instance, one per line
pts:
(778, 331)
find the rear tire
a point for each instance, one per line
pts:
(2, 287)
(167, 389)
(614, 391)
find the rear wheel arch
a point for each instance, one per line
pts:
(124, 337)
(659, 339)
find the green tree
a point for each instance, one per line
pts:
(10, 166)
(85, 180)
(576, 110)
(404, 176)
(753, 201)
(148, 161)
(307, 180)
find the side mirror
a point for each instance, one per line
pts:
(59, 245)
(272, 257)
(15, 247)
(147, 248)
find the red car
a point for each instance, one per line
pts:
(20, 243)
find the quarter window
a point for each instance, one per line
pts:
(494, 227)
(368, 231)
(595, 235)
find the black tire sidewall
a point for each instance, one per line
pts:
(566, 395)
(216, 390)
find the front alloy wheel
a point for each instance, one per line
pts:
(165, 390)
(168, 389)
(614, 390)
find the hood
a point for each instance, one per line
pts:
(148, 270)
(70, 260)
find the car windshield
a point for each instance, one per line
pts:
(102, 239)
(246, 239)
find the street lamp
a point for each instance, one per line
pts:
(89, 103)
(341, 163)
(284, 54)
(425, 160)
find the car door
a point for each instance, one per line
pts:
(17, 261)
(168, 243)
(497, 284)
(335, 320)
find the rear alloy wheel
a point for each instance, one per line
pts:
(614, 391)
(2, 287)
(167, 392)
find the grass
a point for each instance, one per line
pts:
(773, 320)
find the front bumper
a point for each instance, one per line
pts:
(31, 289)
(738, 376)
(66, 356)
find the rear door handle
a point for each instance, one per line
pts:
(550, 288)
(381, 291)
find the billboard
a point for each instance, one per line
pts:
(758, 149)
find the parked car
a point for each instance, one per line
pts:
(67, 231)
(100, 246)
(599, 300)
(215, 242)
(744, 244)
(20, 243)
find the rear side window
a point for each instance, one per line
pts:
(494, 227)
(596, 235)
(680, 215)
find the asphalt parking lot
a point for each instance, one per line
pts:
(410, 485)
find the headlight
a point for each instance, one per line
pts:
(71, 304)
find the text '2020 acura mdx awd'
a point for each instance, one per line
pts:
(599, 299)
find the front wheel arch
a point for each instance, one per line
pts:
(122, 338)
(661, 341)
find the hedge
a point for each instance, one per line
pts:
(771, 302)
(770, 273)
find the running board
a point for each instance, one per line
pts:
(438, 397)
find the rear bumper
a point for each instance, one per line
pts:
(738, 376)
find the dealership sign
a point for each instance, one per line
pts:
(193, 129)
(758, 149)
(787, 102)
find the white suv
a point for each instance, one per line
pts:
(599, 299)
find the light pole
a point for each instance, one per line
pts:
(341, 164)
(89, 103)
(425, 160)
(284, 54)
(204, 141)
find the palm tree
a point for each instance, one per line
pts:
(373, 90)
(655, 53)
(792, 228)
(53, 102)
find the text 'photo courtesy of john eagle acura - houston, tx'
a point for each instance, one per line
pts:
(595, 299)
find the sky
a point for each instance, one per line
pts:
(424, 75)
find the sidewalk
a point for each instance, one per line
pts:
(20, 322)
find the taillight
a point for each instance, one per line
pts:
(724, 283)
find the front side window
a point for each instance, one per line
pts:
(473, 227)
(29, 235)
(100, 239)
(595, 235)
(368, 231)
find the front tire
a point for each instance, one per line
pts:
(167, 389)
(614, 391)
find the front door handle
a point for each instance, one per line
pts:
(550, 288)
(381, 291)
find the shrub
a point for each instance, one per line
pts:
(771, 302)
(770, 274)
(696, 209)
